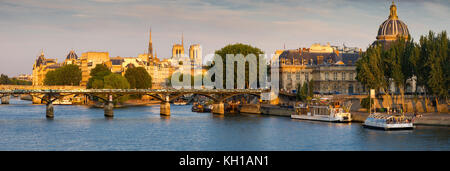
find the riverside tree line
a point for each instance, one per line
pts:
(426, 62)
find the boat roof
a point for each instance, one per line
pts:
(383, 116)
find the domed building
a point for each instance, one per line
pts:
(392, 28)
(71, 58)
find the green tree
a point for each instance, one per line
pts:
(438, 55)
(116, 81)
(398, 63)
(69, 75)
(4, 79)
(51, 78)
(138, 78)
(66, 75)
(366, 102)
(98, 73)
(370, 68)
(298, 94)
(243, 49)
(310, 89)
(302, 91)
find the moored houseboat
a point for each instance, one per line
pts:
(389, 122)
(326, 113)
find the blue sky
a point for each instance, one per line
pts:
(121, 26)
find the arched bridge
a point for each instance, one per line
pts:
(108, 96)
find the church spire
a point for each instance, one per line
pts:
(182, 39)
(150, 46)
(393, 11)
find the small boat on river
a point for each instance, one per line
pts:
(326, 113)
(201, 107)
(389, 122)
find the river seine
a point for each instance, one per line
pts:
(23, 126)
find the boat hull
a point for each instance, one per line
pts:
(405, 126)
(323, 118)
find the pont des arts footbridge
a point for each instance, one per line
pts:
(50, 94)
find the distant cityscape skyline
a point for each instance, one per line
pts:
(120, 27)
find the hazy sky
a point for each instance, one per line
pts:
(121, 26)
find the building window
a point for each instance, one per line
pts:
(289, 76)
(297, 76)
(306, 77)
(326, 75)
(335, 76)
(351, 76)
(343, 76)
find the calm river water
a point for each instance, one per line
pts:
(23, 126)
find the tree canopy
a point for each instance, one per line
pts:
(427, 62)
(97, 76)
(138, 78)
(65, 75)
(5, 80)
(243, 49)
(115, 81)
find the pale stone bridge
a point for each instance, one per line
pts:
(107, 96)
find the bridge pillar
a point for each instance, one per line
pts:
(109, 106)
(49, 111)
(218, 108)
(164, 108)
(5, 99)
(109, 112)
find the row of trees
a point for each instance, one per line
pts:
(5, 80)
(427, 62)
(103, 78)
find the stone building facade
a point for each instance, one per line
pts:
(331, 72)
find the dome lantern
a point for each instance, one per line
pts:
(393, 27)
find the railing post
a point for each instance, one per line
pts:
(109, 106)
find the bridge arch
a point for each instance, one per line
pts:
(238, 94)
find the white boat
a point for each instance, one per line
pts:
(62, 102)
(322, 113)
(388, 122)
(179, 103)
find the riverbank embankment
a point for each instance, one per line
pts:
(434, 119)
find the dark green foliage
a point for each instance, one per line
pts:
(243, 49)
(310, 89)
(97, 75)
(427, 61)
(365, 103)
(115, 81)
(304, 91)
(66, 75)
(138, 78)
(370, 68)
(4, 79)
(437, 53)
